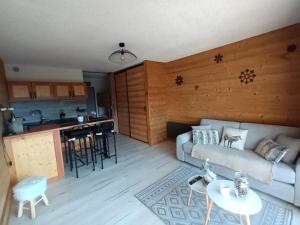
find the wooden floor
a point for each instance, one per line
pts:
(106, 197)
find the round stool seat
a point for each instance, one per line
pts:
(30, 188)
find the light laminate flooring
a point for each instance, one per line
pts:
(106, 197)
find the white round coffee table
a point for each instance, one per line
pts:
(199, 187)
(245, 207)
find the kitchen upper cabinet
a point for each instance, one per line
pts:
(78, 90)
(42, 91)
(25, 90)
(19, 90)
(62, 90)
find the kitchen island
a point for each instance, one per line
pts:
(38, 152)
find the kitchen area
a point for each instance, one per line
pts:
(40, 108)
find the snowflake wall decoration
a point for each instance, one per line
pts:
(247, 76)
(218, 58)
(291, 48)
(179, 80)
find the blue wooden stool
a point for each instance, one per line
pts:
(28, 190)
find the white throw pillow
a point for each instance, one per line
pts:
(202, 127)
(234, 138)
(293, 146)
(206, 137)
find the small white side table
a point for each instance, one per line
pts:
(197, 187)
(245, 207)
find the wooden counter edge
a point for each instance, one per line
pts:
(57, 128)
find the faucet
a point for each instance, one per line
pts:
(37, 112)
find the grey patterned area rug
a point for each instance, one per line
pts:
(167, 198)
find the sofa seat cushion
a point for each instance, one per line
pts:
(280, 171)
(187, 147)
(284, 172)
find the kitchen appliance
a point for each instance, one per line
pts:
(15, 125)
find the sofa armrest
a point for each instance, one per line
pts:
(180, 140)
(297, 183)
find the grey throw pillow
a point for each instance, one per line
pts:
(205, 137)
(271, 150)
(293, 146)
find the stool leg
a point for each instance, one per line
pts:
(107, 141)
(92, 152)
(101, 154)
(32, 208)
(45, 199)
(76, 166)
(66, 151)
(115, 145)
(70, 146)
(20, 210)
(96, 148)
(190, 197)
(85, 150)
(79, 140)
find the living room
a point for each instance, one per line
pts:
(178, 112)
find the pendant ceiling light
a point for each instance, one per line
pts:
(122, 56)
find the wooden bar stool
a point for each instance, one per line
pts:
(75, 154)
(102, 134)
(28, 190)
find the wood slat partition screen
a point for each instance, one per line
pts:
(122, 103)
(157, 104)
(137, 103)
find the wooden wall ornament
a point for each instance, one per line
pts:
(291, 48)
(218, 58)
(179, 80)
(247, 76)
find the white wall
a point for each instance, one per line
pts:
(100, 82)
(42, 73)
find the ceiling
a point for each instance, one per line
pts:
(82, 34)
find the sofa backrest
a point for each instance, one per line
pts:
(219, 124)
(257, 132)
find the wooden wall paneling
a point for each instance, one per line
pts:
(122, 103)
(272, 98)
(137, 98)
(157, 105)
(5, 190)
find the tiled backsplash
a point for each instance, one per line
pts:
(50, 109)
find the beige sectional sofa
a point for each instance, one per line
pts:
(286, 177)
